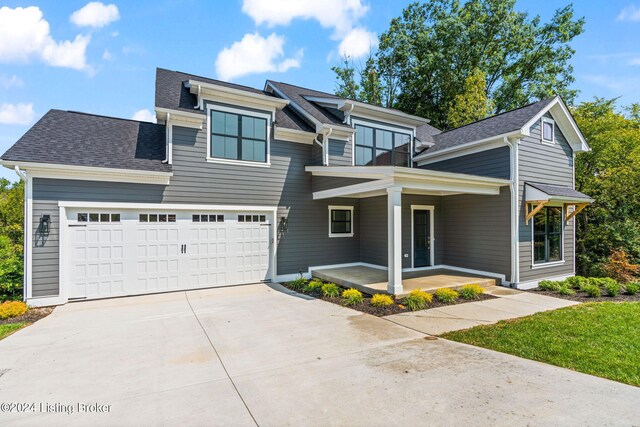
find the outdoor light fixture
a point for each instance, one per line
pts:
(44, 224)
(283, 225)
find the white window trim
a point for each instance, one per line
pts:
(535, 265)
(341, 208)
(551, 141)
(374, 126)
(432, 238)
(267, 116)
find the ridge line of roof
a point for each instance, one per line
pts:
(209, 78)
(102, 116)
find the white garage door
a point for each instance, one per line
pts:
(127, 252)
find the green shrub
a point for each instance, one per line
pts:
(298, 284)
(12, 309)
(471, 291)
(566, 290)
(330, 290)
(550, 285)
(592, 290)
(632, 288)
(602, 281)
(446, 295)
(313, 286)
(11, 269)
(576, 282)
(352, 296)
(381, 300)
(612, 288)
(417, 300)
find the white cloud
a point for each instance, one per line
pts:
(106, 55)
(358, 43)
(340, 15)
(255, 54)
(629, 13)
(144, 115)
(95, 14)
(16, 114)
(25, 34)
(9, 82)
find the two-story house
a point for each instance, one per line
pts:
(237, 185)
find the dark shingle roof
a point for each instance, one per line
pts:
(298, 95)
(289, 118)
(486, 128)
(171, 92)
(559, 191)
(426, 133)
(79, 139)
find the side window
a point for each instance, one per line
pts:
(238, 137)
(340, 221)
(547, 235)
(548, 130)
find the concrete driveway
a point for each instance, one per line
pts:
(258, 355)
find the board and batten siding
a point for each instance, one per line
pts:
(545, 164)
(494, 163)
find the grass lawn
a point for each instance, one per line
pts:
(9, 328)
(600, 339)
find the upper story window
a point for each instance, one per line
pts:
(238, 137)
(548, 130)
(380, 147)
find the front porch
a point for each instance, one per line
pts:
(373, 280)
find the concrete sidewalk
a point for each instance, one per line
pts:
(510, 304)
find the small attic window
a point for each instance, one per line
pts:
(548, 130)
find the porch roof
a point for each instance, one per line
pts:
(538, 192)
(411, 181)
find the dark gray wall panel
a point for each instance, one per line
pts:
(373, 230)
(546, 164)
(477, 232)
(320, 183)
(340, 153)
(493, 163)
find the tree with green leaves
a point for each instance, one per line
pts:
(11, 239)
(610, 173)
(472, 103)
(427, 54)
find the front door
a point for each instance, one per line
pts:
(421, 238)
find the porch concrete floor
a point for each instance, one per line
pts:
(374, 280)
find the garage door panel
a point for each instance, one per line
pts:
(137, 255)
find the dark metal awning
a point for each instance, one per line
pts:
(538, 195)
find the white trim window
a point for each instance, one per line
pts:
(376, 146)
(340, 221)
(547, 130)
(547, 235)
(238, 136)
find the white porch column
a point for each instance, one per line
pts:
(394, 226)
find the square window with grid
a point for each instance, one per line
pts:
(207, 218)
(148, 217)
(98, 217)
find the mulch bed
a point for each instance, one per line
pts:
(366, 307)
(32, 315)
(583, 297)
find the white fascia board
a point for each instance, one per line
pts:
(295, 106)
(338, 132)
(181, 118)
(355, 189)
(463, 149)
(565, 121)
(90, 173)
(235, 94)
(386, 114)
(476, 148)
(293, 135)
(164, 206)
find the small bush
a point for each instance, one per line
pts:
(352, 296)
(550, 285)
(471, 291)
(446, 295)
(602, 282)
(330, 290)
(576, 282)
(566, 290)
(612, 289)
(298, 284)
(381, 300)
(12, 309)
(632, 288)
(417, 300)
(313, 286)
(620, 266)
(592, 290)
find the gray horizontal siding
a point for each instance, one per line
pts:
(373, 227)
(493, 163)
(320, 183)
(546, 164)
(477, 232)
(340, 153)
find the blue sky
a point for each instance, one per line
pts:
(101, 57)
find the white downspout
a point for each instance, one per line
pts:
(348, 113)
(168, 136)
(325, 139)
(26, 252)
(198, 105)
(515, 229)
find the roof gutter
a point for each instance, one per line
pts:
(497, 138)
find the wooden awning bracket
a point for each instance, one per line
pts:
(536, 209)
(578, 208)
